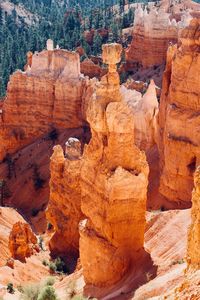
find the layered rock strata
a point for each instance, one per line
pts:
(22, 241)
(47, 95)
(154, 29)
(64, 208)
(179, 118)
(113, 184)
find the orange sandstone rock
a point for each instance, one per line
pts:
(12, 270)
(153, 31)
(88, 68)
(64, 208)
(145, 110)
(179, 118)
(193, 253)
(113, 184)
(22, 241)
(47, 95)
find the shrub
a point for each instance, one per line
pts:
(34, 212)
(45, 263)
(52, 267)
(49, 281)
(60, 265)
(71, 291)
(123, 77)
(49, 226)
(47, 293)
(37, 179)
(10, 288)
(40, 242)
(31, 292)
(39, 183)
(53, 135)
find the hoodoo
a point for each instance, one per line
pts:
(113, 184)
(100, 150)
(64, 208)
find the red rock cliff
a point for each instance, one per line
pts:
(179, 118)
(47, 95)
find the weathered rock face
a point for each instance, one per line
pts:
(152, 33)
(145, 110)
(47, 95)
(193, 254)
(12, 270)
(64, 208)
(113, 184)
(90, 69)
(179, 118)
(22, 241)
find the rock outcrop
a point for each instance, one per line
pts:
(13, 270)
(90, 69)
(145, 110)
(113, 184)
(193, 254)
(64, 208)
(153, 31)
(22, 241)
(179, 118)
(8, 217)
(47, 95)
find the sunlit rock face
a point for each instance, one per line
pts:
(47, 95)
(179, 120)
(22, 241)
(64, 208)
(105, 187)
(155, 27)
(193, 254)
(145, 111)
(114, 182)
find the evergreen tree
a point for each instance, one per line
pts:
(97, 44)
(63, 21)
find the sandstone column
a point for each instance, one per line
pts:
(64, 208)
(114, 183)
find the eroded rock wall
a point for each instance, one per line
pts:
(179, 118)
(155, 27)
(47, 95)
